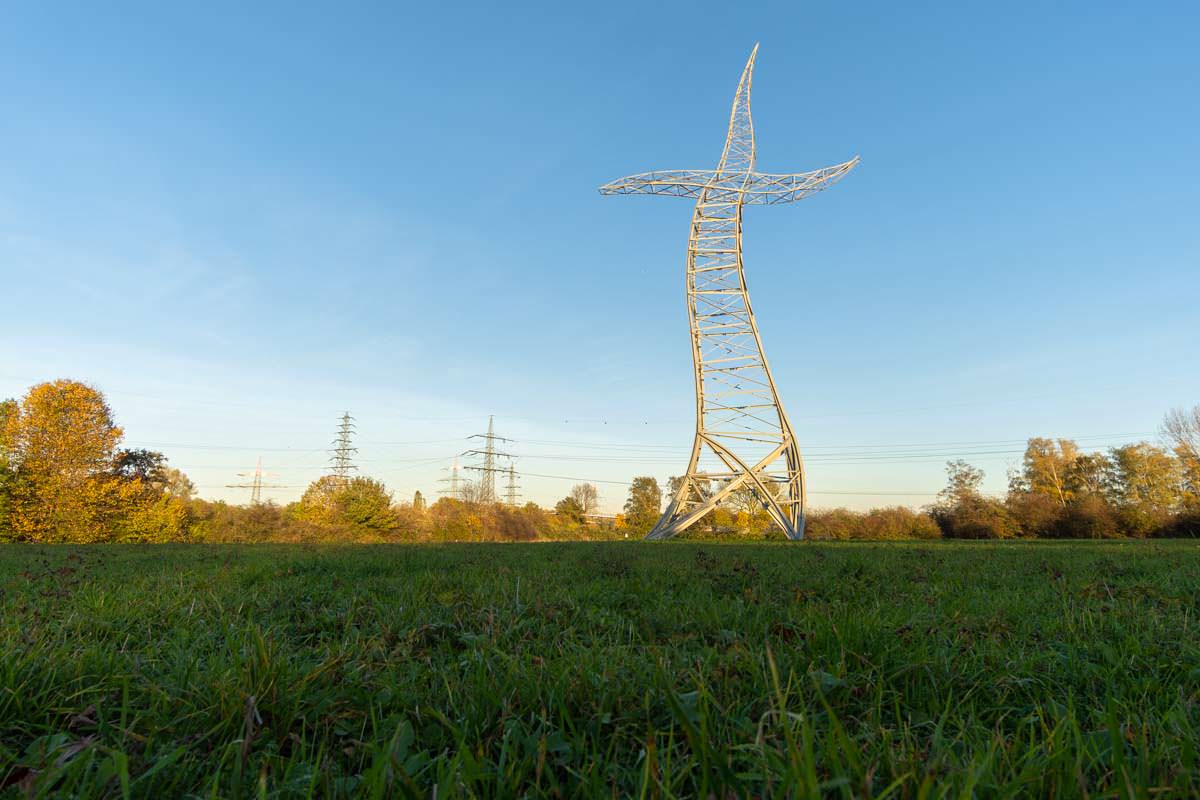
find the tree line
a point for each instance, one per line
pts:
(1140, 490)
(65, 477)
(1137, 490)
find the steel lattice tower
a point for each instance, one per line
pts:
(510, 486)
(343, 451)
(743, 436)
(487, 469)
(454, 491)
(256, 484)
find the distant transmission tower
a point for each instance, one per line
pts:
(255, 485)
(453, 482)
(487, 468)
(510, 486)
(343, 451)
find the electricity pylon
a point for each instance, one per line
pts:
(256, 484)
(453, 489)
(743, 437)
(342, 453)
(487, 469)
(510, 486)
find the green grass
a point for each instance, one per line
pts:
(587, 669)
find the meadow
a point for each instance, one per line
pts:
(609, 668)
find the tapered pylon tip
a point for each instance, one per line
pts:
(749, 69)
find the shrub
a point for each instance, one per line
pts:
(412, 523)
(835, 523)
(454, 520)
(1034, 513)
(1090, 518)
(976, 517)
(1140, 522)
(897, 522)
(1183, 526)
(514, 525)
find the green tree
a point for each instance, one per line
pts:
(587, 497)
(149, 499)
(1054, 479)
(1181, 428)
(748, 509)
(962, 483)
(178, 485)
(8, 410)
(569, 509)
(319, 502)
(144, 465)
(418, 502)
(644, 503)
(366, 504)
(1047, 468)
(362, 504)
(1086, 476)
(963, 512)
(1145, 475)
(1146, 484)
(146, 513)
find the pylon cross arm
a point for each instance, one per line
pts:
(746, 188)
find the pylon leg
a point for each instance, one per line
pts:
(690, 504)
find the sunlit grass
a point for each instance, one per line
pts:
(599, 669)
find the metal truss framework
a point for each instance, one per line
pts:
(488, 469)
(342, 454)
(744, 440)
(256, 485)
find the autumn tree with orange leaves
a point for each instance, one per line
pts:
(66, 478)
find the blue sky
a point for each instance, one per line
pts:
(239, 223)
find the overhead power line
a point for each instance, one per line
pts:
(635, 446)
(892, 493)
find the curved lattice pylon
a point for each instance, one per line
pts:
(745, 445)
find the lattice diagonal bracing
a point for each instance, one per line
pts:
(744, 441)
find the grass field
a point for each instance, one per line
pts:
(593, 669)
